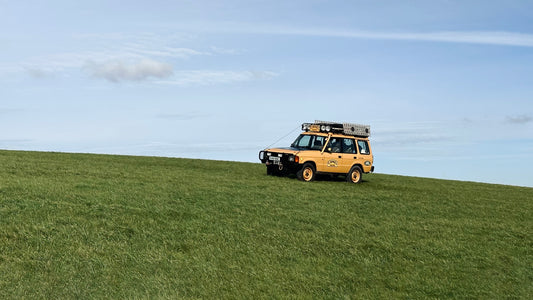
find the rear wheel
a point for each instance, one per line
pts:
(307, 172)
(355, 175)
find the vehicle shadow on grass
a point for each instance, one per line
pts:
(322, 178)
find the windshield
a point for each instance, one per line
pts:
(310, 142)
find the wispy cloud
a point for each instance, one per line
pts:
(490, 37)
(470, 37)
(503, 38)
(59, 62)
(136, 62)
(209, 77)
(116, 71)
(521, 119)
(124, 57)
(101, 50)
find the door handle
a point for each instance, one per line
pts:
(355, 157)
(340, 156)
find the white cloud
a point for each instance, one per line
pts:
(67, 60)
(134, 60)
(116, 71)
(100, 50)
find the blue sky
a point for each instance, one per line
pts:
(446, 86)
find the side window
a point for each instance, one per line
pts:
(318, 142)
(335, 145)
(348, 146)
(363, 147)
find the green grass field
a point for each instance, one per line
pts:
(102, 226)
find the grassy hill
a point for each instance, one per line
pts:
(102, 226)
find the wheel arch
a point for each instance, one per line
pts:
(358, 165)
(305, 162)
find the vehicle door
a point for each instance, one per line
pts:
(348, 155)
(331, 157)
(338, 156)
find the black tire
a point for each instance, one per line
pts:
(307, 173)
(355, 175)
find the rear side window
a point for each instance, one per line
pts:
(363, 147)
(348, 146)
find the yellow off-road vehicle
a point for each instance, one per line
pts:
(324, 148)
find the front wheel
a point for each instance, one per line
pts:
(355, 175)
(306, 173)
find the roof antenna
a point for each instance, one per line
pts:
(283, 137)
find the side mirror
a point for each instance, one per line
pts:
(328, 149)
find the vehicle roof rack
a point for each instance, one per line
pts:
(352, 129)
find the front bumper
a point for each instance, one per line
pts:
(286, 162)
